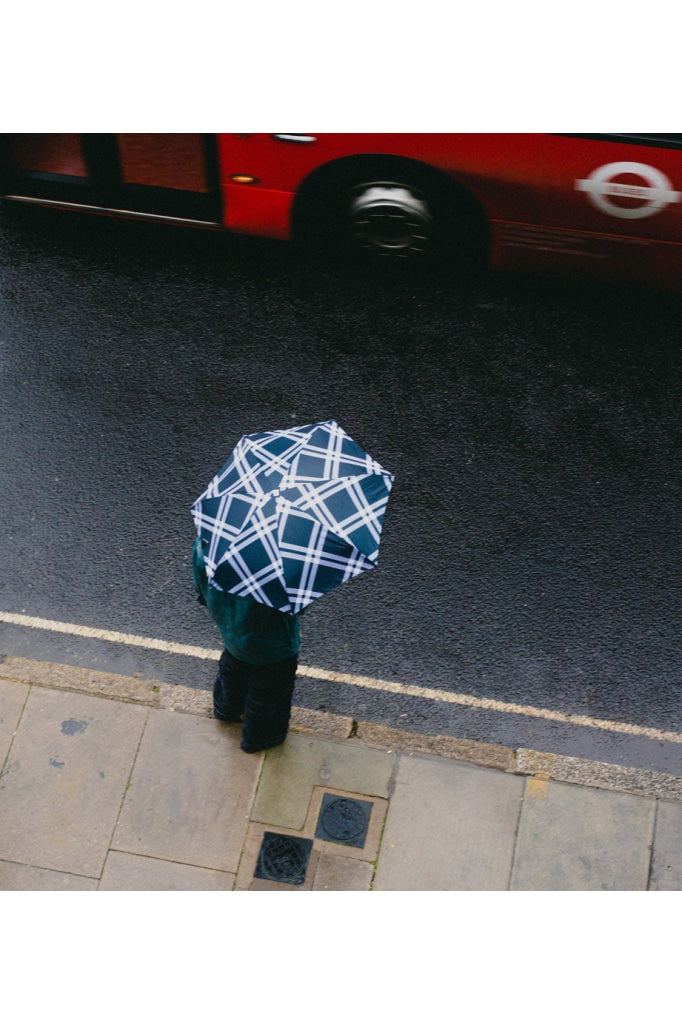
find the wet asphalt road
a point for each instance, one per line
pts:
(531, 551)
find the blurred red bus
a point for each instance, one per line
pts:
(607, 205)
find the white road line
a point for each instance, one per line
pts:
(106, 634)
(366, 682)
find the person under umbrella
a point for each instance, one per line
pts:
(257, 669)
(292, 514)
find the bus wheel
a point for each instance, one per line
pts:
(390, 214)
(390, 220)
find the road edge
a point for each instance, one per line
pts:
(187, 700)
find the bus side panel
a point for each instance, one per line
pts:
(539, 193)
(529, 249)
(498, 170)
(257, 211)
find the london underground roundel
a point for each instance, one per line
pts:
(651, 194)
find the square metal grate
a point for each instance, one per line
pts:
(283, 858)
(343, 820)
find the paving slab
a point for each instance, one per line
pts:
(190, 793)
(65, 779)
(12, 699)
(23, 877)
(341, 874)
(449, 826)
(129, 872)
(574, 838)
(290, 773)
(666, 870)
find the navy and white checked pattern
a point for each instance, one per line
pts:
(292, 514)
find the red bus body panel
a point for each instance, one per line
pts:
(534, 190)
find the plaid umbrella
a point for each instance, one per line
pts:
(292, 514)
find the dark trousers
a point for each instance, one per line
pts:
(259, 694)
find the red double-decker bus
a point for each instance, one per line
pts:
(607, 205)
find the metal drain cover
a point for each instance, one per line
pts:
(343, 820)
(283, 858)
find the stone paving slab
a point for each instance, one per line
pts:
(341, 874)
(190, 793)
(23, 877)
(130, 873)
(572, 838)
(290, 773)
(12, 699)
(65, 778)
(666, 872)
(450, 826)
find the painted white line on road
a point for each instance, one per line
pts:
(106, 634)
(366, 682)
(485, 704)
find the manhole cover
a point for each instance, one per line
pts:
(343, 820)
(283, 858)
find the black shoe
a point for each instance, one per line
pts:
(249, 748)
(236, 717)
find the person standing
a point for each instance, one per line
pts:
(257, 669)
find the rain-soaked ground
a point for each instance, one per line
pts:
(531, 549)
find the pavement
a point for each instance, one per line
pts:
(115, 783)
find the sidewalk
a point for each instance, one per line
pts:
(113, 783)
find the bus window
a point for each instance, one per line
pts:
(46, 154)
(164, 161)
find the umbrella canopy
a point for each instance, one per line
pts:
(292, 514)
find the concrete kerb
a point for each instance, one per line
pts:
(185, 699)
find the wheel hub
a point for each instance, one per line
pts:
(390, 219)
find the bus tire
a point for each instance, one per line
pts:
(389, 213)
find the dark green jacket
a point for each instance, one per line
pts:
(251, 631)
